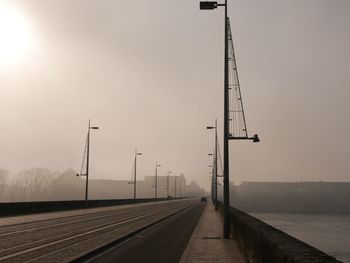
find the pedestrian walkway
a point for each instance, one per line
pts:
(207, 243)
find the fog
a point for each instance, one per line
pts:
(42, 184)
(150, 75)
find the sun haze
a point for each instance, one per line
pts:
(150, 75)
(17, 38)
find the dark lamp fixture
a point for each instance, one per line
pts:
(208, 5)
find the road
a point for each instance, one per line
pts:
(67, 238)
(163, 242)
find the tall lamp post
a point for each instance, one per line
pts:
(175, 185)
(212, 172)
(167, 183)
(210, 5)
(135, 161)
(87, 162)
(156, 181)
(215, 168)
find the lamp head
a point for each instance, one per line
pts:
(208, 5)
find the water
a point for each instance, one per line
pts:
(329, 233)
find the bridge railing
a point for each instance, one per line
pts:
(21, 208)
(262, 243)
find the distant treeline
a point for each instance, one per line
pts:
(299, 197)
(41, 184)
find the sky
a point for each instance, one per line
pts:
(150, 75)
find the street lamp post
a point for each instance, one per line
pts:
(212, 172)
(175, 185)
(87, 162)
(215, 168)
(210, 5)
(181, 185)
(169, 172)
(136, 154)
(156, 180)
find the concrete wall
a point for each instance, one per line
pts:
(20, 208)
(262, 243)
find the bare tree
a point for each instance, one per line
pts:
(34, 184)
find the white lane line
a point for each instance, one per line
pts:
(177, 209)
(68, 222)
(128, 210)
(27, 219)
(72, 237)
(57, 236)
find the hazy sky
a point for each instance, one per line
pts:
(150, 74)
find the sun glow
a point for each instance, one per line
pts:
(16, 36)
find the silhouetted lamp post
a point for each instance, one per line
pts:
(212, 172)
(215, 168)
(167, 182)
(156, 180)
(175, 185)
(210, 5)
(181, 184)
(135, 161)
(87, 162)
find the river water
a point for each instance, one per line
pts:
(329, 233)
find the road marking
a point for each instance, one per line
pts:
(72, 237)
(69, 222)
(146, 226)
(56, 236)
(79, 235)
(133, 234)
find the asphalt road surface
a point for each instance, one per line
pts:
(163, 242)
(64, 239)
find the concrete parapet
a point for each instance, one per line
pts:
(21, 208)
(262, 243)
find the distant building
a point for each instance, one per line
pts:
(67, 186)
(297, 197)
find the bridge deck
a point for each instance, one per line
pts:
(30, 218)
(66, 236)
(207, 243)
